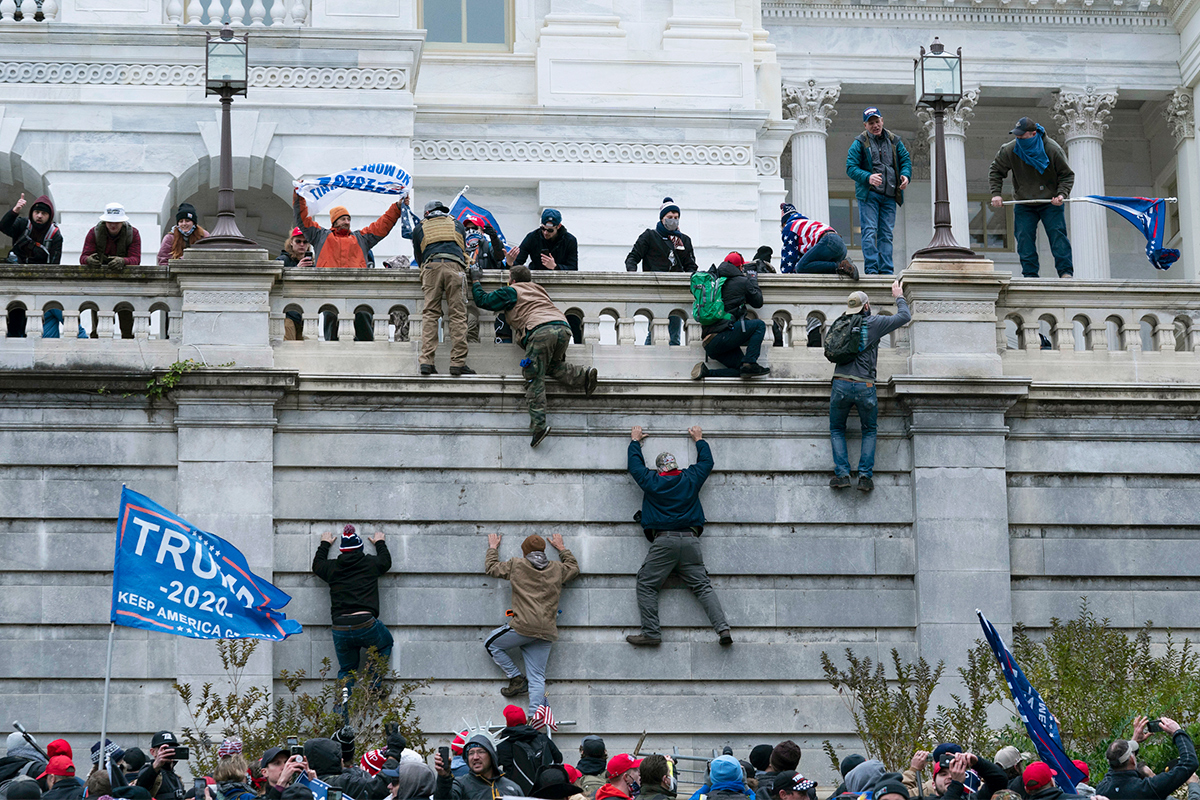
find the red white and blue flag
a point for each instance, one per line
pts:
(1148, 215)
(1039, 722)
(461, 208)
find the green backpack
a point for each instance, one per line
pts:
(708, 306)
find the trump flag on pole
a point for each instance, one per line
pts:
(171, 577)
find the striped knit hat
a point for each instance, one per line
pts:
(350, 540)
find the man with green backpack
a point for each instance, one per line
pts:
(721, 296)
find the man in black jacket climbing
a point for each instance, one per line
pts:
(723, 339)
(353, 580)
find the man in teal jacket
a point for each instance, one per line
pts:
(879, 165)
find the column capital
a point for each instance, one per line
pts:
(1085, 114)
(812, 106)
(1180, 113)
(957, 119)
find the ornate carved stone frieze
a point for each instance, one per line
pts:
(1180, 113)
(1083, 114)
(957, 119)
(812, 106)
(1117, 13)
(269, 77)
(584, 152)
(766, 165)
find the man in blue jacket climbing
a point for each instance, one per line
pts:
(673, 519)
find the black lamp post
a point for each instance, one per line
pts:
(226, 73)
(937, 76)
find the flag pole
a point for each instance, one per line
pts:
(1069, 200)
(460, 194)
(112, 628)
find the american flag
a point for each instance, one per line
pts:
(799, 234)
(544, 718)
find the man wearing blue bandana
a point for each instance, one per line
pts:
(1039, 172)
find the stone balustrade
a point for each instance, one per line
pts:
(210, 13)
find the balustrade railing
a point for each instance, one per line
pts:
(211, 13)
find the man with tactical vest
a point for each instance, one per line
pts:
(542, 329)
(439, 248)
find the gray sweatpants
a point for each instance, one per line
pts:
(672, 552)
(534, 652)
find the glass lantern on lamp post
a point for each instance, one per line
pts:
(226, 73)
(937, 78)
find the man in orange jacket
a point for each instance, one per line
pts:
(342, 247)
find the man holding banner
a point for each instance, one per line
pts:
(340, 246)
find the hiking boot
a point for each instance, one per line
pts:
(865, 484)
(699, 371)
(726, 638)
(517, 684)
(846, 267)
(463, 370)
(589, 385)
(538, 435)
(641, 640)
(750, 370)
(428, 369)
(839, 482)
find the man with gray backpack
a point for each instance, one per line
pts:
(853, 344)
(721, 296)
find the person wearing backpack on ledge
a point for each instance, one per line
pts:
(523, 751)
(726, 328)
(853, 344)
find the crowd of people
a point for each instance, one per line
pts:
(524, 761)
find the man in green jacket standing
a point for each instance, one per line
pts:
(1039, 172)
(536, 588)
(879, 165)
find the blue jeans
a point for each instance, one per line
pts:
(824, 256)
(877, 218)
(844, 396)
(726, 347)
(351, 645)
(674, 328)
(1054, 220)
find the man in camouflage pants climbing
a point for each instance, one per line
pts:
(542, 329)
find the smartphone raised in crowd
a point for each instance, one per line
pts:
(444, 752)
(181, 754)
(1155, 726)
(333, 794)
(294, 746)
(200, 786)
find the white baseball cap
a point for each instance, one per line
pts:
(114, 212)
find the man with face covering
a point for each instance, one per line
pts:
(536, 588)
(483, 782)
(664, 248)
(672, 519)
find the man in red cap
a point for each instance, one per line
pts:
(523, 751)
(723, 338)
(622, 773)
(1038, 779)
(61, 783)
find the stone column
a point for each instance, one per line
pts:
(1180, 112)
(227, 305)
(955, 125)
(1083, 118)
(812, 107)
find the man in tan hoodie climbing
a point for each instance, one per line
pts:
(536, 587)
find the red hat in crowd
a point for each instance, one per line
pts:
(618, 765)
(736, 259)
(373, 761)
(514, 716)
(1037, 776)
(59, 766)
(456, 746)
(1082, 767)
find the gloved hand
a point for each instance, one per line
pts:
(396, 743)
(95, 260)
(475, 273)
(115, 262)
(345, 735)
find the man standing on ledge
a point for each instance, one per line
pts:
(879, 165)
(353, 579)
(673, 519)
(439, 248)
(1039, 172)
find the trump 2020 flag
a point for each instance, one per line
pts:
(318, 787)
(462, 207)
(381, 177)
(171, 577)
(1148, 215)
(1039, 722)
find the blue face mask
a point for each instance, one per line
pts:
(635, 789)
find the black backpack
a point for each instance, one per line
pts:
(847, 337)
(528, 761)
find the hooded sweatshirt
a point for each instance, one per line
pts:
(325, 758)
(416, 780)
(34, 244)
(610, 792)
(738, 291)
(472, 786)
(540, 742)
(21, 759)
(864, 776)
(535, 595)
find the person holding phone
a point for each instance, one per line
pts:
(485, 781)
(1123, 780)
(280, 768)
(158, 777)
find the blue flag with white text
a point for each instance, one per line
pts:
(462, 207)
(1039, 722)
(171, 577)
(1148, 215)
(318, 787)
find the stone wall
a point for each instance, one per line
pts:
(1009, 480)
